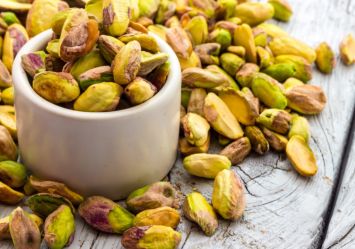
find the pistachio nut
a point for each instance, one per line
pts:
(205, 165)
(148, 8)
(238, 50)
(34, 62)
(43, 204)
(325, 60)
(286, 45)
(54, 64)
(291, 82)
(53, 48)
(197, 28)
(158, 30)
(126, 64)
(306, 99)
(276, 141)
(299, 126)
(243, 105)
(109, 47)
(238, 150)
(227, 8)
(146, 41)
(221, 36)
(95, 8)
(160, 75)
(13, 174)
(8, 120)
(8, 195)
(260, 37)
(203, 78)
(197, 101)
(197, 209)
(7, 96)
(246, 74)
(254, 13)
(149, 62)
(207, 7)
(231, 63)
(115, 16)
(347, 50)
(58, 20)
(243, 36)
(5, 76)
(221, 118)
(8, 148)
(257, 139)
(95, 75)
(179, 41)
(264, 57)
(165, 11)
(192, 61)
(187, 149)
(24, 232)
(156, 236)
(146, 21)
(301, 156)
(164, 216)
(222, 140)
(27, 188)
(280, 71)
(302, 66)
(196, 129)
(3, 28)
(139, 91)
(275, 120)
(15, 6)
(272, 30)
(15, 37)
(185, 96)
(91, 60)
(7, 109)
(229, 82)
(283, 10)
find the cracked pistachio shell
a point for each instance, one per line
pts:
(126, 64)
(221, 118)
(280, 71)
(24, 232)
(105, 215)
(238, 150)
(40, 16)
(10, 5)
(276, 141)
(283, 10)
(146, 237)
(306, 99)
(254, 13)
(272, 30)
(79, 35)
(146, 41)
(301, 156)
(196, 129)
(179, 41)
(302, 66)
(52, 187)
(34, 62)
(325, 58)
(276, 120)
(149, 62)
(221, 36)
(269, 91)
(7, 96)
(243, 105)
(58, 20)
(95, 8)
(159, 76)
(231, 63)
(246, 74)
(188, 149)
(203, 78)
(228, 195)
(197, 209)
(299, 126)
(197, 28)
(165, 216)
(286, 45)
(264, 57)
(158, 194)
(139, 91)
(208, 53)
(192, 61)
(43, 204)
(257, 139)
(165, 11)
(229, 82)
(8, 120)
(59, 228)
(115, 16)
(291, 82)
(8, 195)
(87, 62)
(100, 97)
(347, 49)
(109, 47)
(205, 165)
(197, 101)
(243, 36)
(8, 148)
(15, 37)
(56, 87)
(13, 174)
(5, 76)
(95, 75)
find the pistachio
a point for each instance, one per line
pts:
(243, 105)
(227, 8)
(15, 37)
(95, 75)
(8, 120)
(275, 120)
(5, 76)
(243, 36)
(301, 156)
(58, 20)
(95, 8)
(272, 30)
(185, 96)
(283, 10)
(197, 209)
(59, 228)
(306, 99)
(149, 62)
(159, 76)
(197, 28)
(221, 118)
(43, 204)
(207, 7)
(165, 216)
(156, 236)
(115, 16)
(146, 21)
(182, 112)
(7, 109)
(205, 165)
(7, 96)
(187, 149)
(238, 150)
(238, 50)
(53, 64)
(148, 8)
(221, 36)
(8, 148)
(165, 11)
(231, 63)
(280, 71)
(3, 28)
(222, 140)
(126, 64)
(196, 129)
(158, 30)
(8, 195)
(257, 139)
(291, 82)
(109, 47)
(192, 61)
(139, 91)
(229, 82)
(286, 45)
(269, 91)
(146, 41)
(264, 57)
(325, 60)
(34, 63)
(260, 37)
(53, 48)
(25, 233)
(299, 126)
(246, 74)
(302, 66)
(197, 101)
(9, 5)
(198, 77)
(13, 173)
(347, 50)
(276, 141)
(87, 62)
(179, 41)
(254, 13)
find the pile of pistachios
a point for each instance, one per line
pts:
(245, 78)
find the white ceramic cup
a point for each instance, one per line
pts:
(109, 154)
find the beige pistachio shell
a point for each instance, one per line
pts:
(347, 49)
(238, 150)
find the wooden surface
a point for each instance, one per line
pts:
(284, 210)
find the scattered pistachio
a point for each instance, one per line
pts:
(8, 148)
(347, 49)
(9, 195)
(299, 126)
(275, 120)
(283, 10)
(276, 141)
(238, 150)
(165, 216)
(13, 174)
(325, 60)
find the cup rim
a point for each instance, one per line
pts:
(22, 84)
